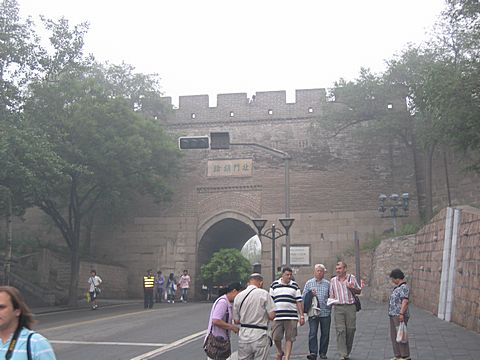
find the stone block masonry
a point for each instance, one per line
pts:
(427, 268)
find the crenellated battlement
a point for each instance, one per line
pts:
(239, 107)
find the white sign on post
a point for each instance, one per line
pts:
(299, 255)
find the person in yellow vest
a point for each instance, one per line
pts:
(148, 284)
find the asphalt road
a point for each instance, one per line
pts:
(127, 331)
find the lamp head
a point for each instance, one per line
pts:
(405, 201)
(394, 197)
(286, 223)
(259, 224)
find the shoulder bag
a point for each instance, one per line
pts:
(358, 304)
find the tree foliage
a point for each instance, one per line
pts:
(428, 97)
(225, 266)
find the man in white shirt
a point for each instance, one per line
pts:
(252, 310)
(94, 282)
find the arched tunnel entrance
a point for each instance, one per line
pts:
(228, 233)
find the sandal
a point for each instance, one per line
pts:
(279, 356)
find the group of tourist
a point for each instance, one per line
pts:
(250, 311)
(157, 287)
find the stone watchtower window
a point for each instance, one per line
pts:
(270, 112)
(232, 114)
(193, 115)
(310, 110)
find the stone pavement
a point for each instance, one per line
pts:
(430, 337)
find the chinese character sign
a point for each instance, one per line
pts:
(230, 167)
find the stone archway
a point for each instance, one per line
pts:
(224, 231)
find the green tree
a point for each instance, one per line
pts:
(457, 45)
(106, 151)
(19, 53)
(225, 266)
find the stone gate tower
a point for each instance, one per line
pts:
(334, 187)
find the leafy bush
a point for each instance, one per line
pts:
(225, 266)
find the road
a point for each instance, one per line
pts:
(127, 331)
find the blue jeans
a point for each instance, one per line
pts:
(184, 294)
(313, 323)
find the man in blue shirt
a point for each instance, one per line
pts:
(319, 313)
(16, 321)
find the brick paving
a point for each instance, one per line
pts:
(430, 337)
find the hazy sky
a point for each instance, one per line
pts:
(227, 46)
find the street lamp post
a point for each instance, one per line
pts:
(273, 234)
(397, 206)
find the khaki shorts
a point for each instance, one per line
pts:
(284, 327)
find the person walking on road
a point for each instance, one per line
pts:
(19, 342)
(159, 282)
(94, 282)
(315, 296)
(148, 284)
(398, 312)
(220, 322)
(288, 312)
(184, 285)
(171, 288)
(253, 308)
(345, 313)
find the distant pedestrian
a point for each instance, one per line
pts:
(16, 320)
(345, 312)
(220, 323)
(159, 283)
(398, 313)
(148, 285)
(171, 288)
(288, 312)
(184, 285)
(252, 310)
(94, 282)
(315, 296)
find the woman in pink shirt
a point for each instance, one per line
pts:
(221, 319)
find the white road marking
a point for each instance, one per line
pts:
(104, 343)
(93, 321)
(171, 346)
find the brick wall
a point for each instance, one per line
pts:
(54, 270)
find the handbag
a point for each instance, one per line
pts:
(358, 304)
(216, 347)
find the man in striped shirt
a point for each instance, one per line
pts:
(288, 312)
(345, 315)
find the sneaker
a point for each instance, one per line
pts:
(323, 356)
(312, 357)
